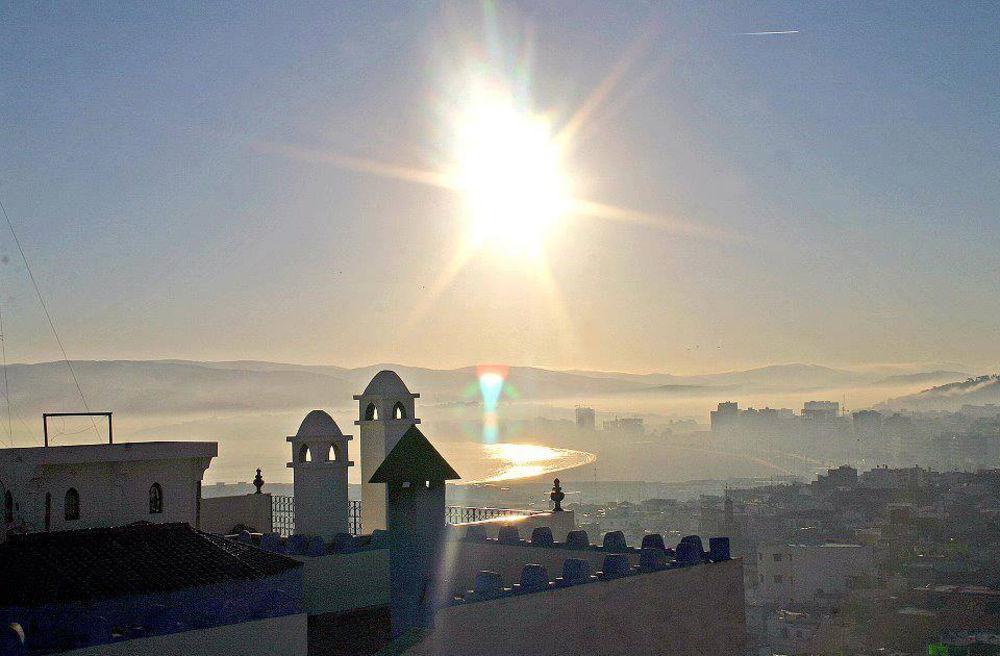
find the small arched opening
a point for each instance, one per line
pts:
(71, 506)
(334, 453)
(371, 412)
(155, 499)
(305, 454)
(399, 410)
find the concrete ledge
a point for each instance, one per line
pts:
(275, 636)
(688, 611)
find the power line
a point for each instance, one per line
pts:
(6, 386)
(48, 317)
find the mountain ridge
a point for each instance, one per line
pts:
(176, 385)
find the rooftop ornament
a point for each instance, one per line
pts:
(557, 496)
(258, 481)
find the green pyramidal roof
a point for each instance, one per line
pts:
(413, 459)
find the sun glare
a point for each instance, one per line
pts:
(508, 169)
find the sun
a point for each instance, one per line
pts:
(509, 171)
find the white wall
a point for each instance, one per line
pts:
(113, 482)
(337, 583)
(793, 573)
(221, 514)
(276, 636)
(690, 611)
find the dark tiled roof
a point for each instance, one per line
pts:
(361, 632)
(104, 563)
(413, 459)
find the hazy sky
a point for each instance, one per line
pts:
(855, 164)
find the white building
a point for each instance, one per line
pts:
(811, 573)
(100, 485)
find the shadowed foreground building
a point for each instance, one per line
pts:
(528, 584)
(148, 588)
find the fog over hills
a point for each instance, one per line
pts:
(950, 397)
(928, 378)
(176, 386)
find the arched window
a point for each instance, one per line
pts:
(8, 507)
(334, 453)
(71, 507)
(398, 411)
(305, 455)
(155, 499)
(371, 412)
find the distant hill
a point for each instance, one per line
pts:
(180, 386)
(950, 397)
(778, 376)
(177, 386)
(787, 377)
(923, 378)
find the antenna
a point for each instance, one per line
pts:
(46, 415)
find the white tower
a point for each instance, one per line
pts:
(385, 411)
(414, 474)
(319, 468)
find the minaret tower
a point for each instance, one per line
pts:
(319, 468)
(385, 413)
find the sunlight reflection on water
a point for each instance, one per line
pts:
(483, 463)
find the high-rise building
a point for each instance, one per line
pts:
(821, 410)
(631, 425)
(725, 417)
(867, 424)
(586, 419)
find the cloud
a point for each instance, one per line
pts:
(769, 33)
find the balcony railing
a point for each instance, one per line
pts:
(283, 514)
(465, 514)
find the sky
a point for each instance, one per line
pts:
(172, 173)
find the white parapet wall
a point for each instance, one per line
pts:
(221, 514)
(508, 560)
(689, 611)
(275, 636)
(341, 582)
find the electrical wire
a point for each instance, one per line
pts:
(6, 385)
(48, 317)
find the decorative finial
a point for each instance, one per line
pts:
(557, 496)
(258, 481)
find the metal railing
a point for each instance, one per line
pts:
(465, 514)
(283, 514)
(354, 517)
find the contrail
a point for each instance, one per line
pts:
(769, 33)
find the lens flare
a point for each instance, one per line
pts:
(491, 380)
